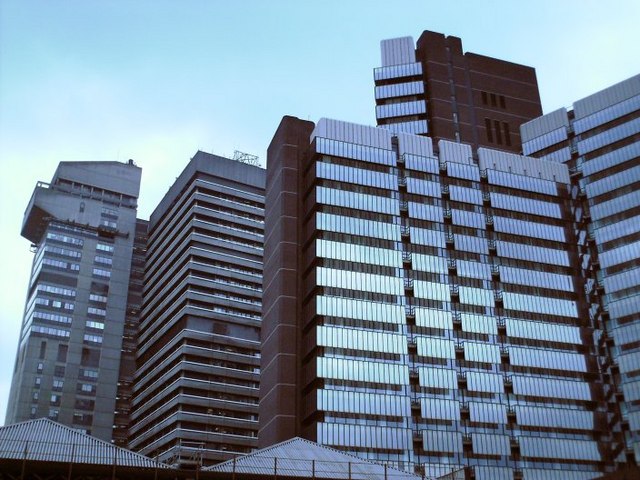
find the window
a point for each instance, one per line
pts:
(90, 357)
(98, 272)
(484, 98)
(103, 260)
(40, 367)
(59, 371)
(96, 325)
(494, 102)
(62, 353)
(507, 134)
(53, 413)
(502, 102)
(104, 248)
(487, 126)
(498, 132)
(43, 349)
(97, 298)
(92, 338)
(57, 385)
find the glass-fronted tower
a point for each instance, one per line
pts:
(599, 139)
(196, 385)
(424, 310)
(82, 226)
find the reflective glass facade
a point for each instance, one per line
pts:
(198, 357)
(73, 360)
(430, 308)
(600, 142)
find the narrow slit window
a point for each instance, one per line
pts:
(498, 132)
(507, 133)
(487, 126)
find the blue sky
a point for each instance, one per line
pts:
(157, 80)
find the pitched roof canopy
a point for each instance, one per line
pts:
(303, 458)
(48, 441)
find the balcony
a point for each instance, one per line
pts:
(408, 283)
(448, 238)
(406, 257)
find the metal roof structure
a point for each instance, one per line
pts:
(302, 458)
(43, 440)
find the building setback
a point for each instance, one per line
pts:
(435, 89)
(196, 385)
(424, 310)
(599, 139)
(82, 226)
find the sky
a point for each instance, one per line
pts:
(155, 81)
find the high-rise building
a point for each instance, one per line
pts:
(196, 385)
(435, 89)
(68, 366)
(427, 310)
(599, 139)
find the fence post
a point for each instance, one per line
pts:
(349, 465)
(24, 459)
(313, 469)
(115, 458)
(385, 471)
(275, 468)
(73, 447)
(233, 475)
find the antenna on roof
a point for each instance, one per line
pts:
(246, 158)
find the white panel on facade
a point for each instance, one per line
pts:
(415, 145)
(436, 347)
(442, 441)
(521, 165)
(432, 318)
(544, 124)
(488, 412)
(438, 377)
(481, 352)
(478, 323)
(493, 473)
(607, 97)
(440, 409)
(455, 152)
(490, 444)
(397, 51)
(360, 402)
(352, 133)
(485, 382)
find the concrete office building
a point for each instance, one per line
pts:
(435, 89)
(82, 226)
(599, 139)
(427, 310)
(196, 387)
